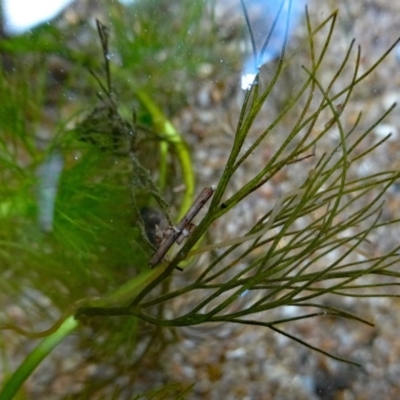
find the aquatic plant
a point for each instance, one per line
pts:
(299, 250)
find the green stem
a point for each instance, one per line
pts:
(121, 296)
(172, 136)
(35, 358)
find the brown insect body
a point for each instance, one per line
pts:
(179, 232)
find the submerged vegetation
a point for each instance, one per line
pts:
(90, 258)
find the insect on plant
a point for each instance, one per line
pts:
(104, 126)
(179, 232)
(107, 129)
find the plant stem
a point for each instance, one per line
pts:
(35, 358)
(172, 136)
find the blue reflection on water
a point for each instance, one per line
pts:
(48, 175)
(22, 15)
(263, 15)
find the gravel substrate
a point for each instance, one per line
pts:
(255, 363)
